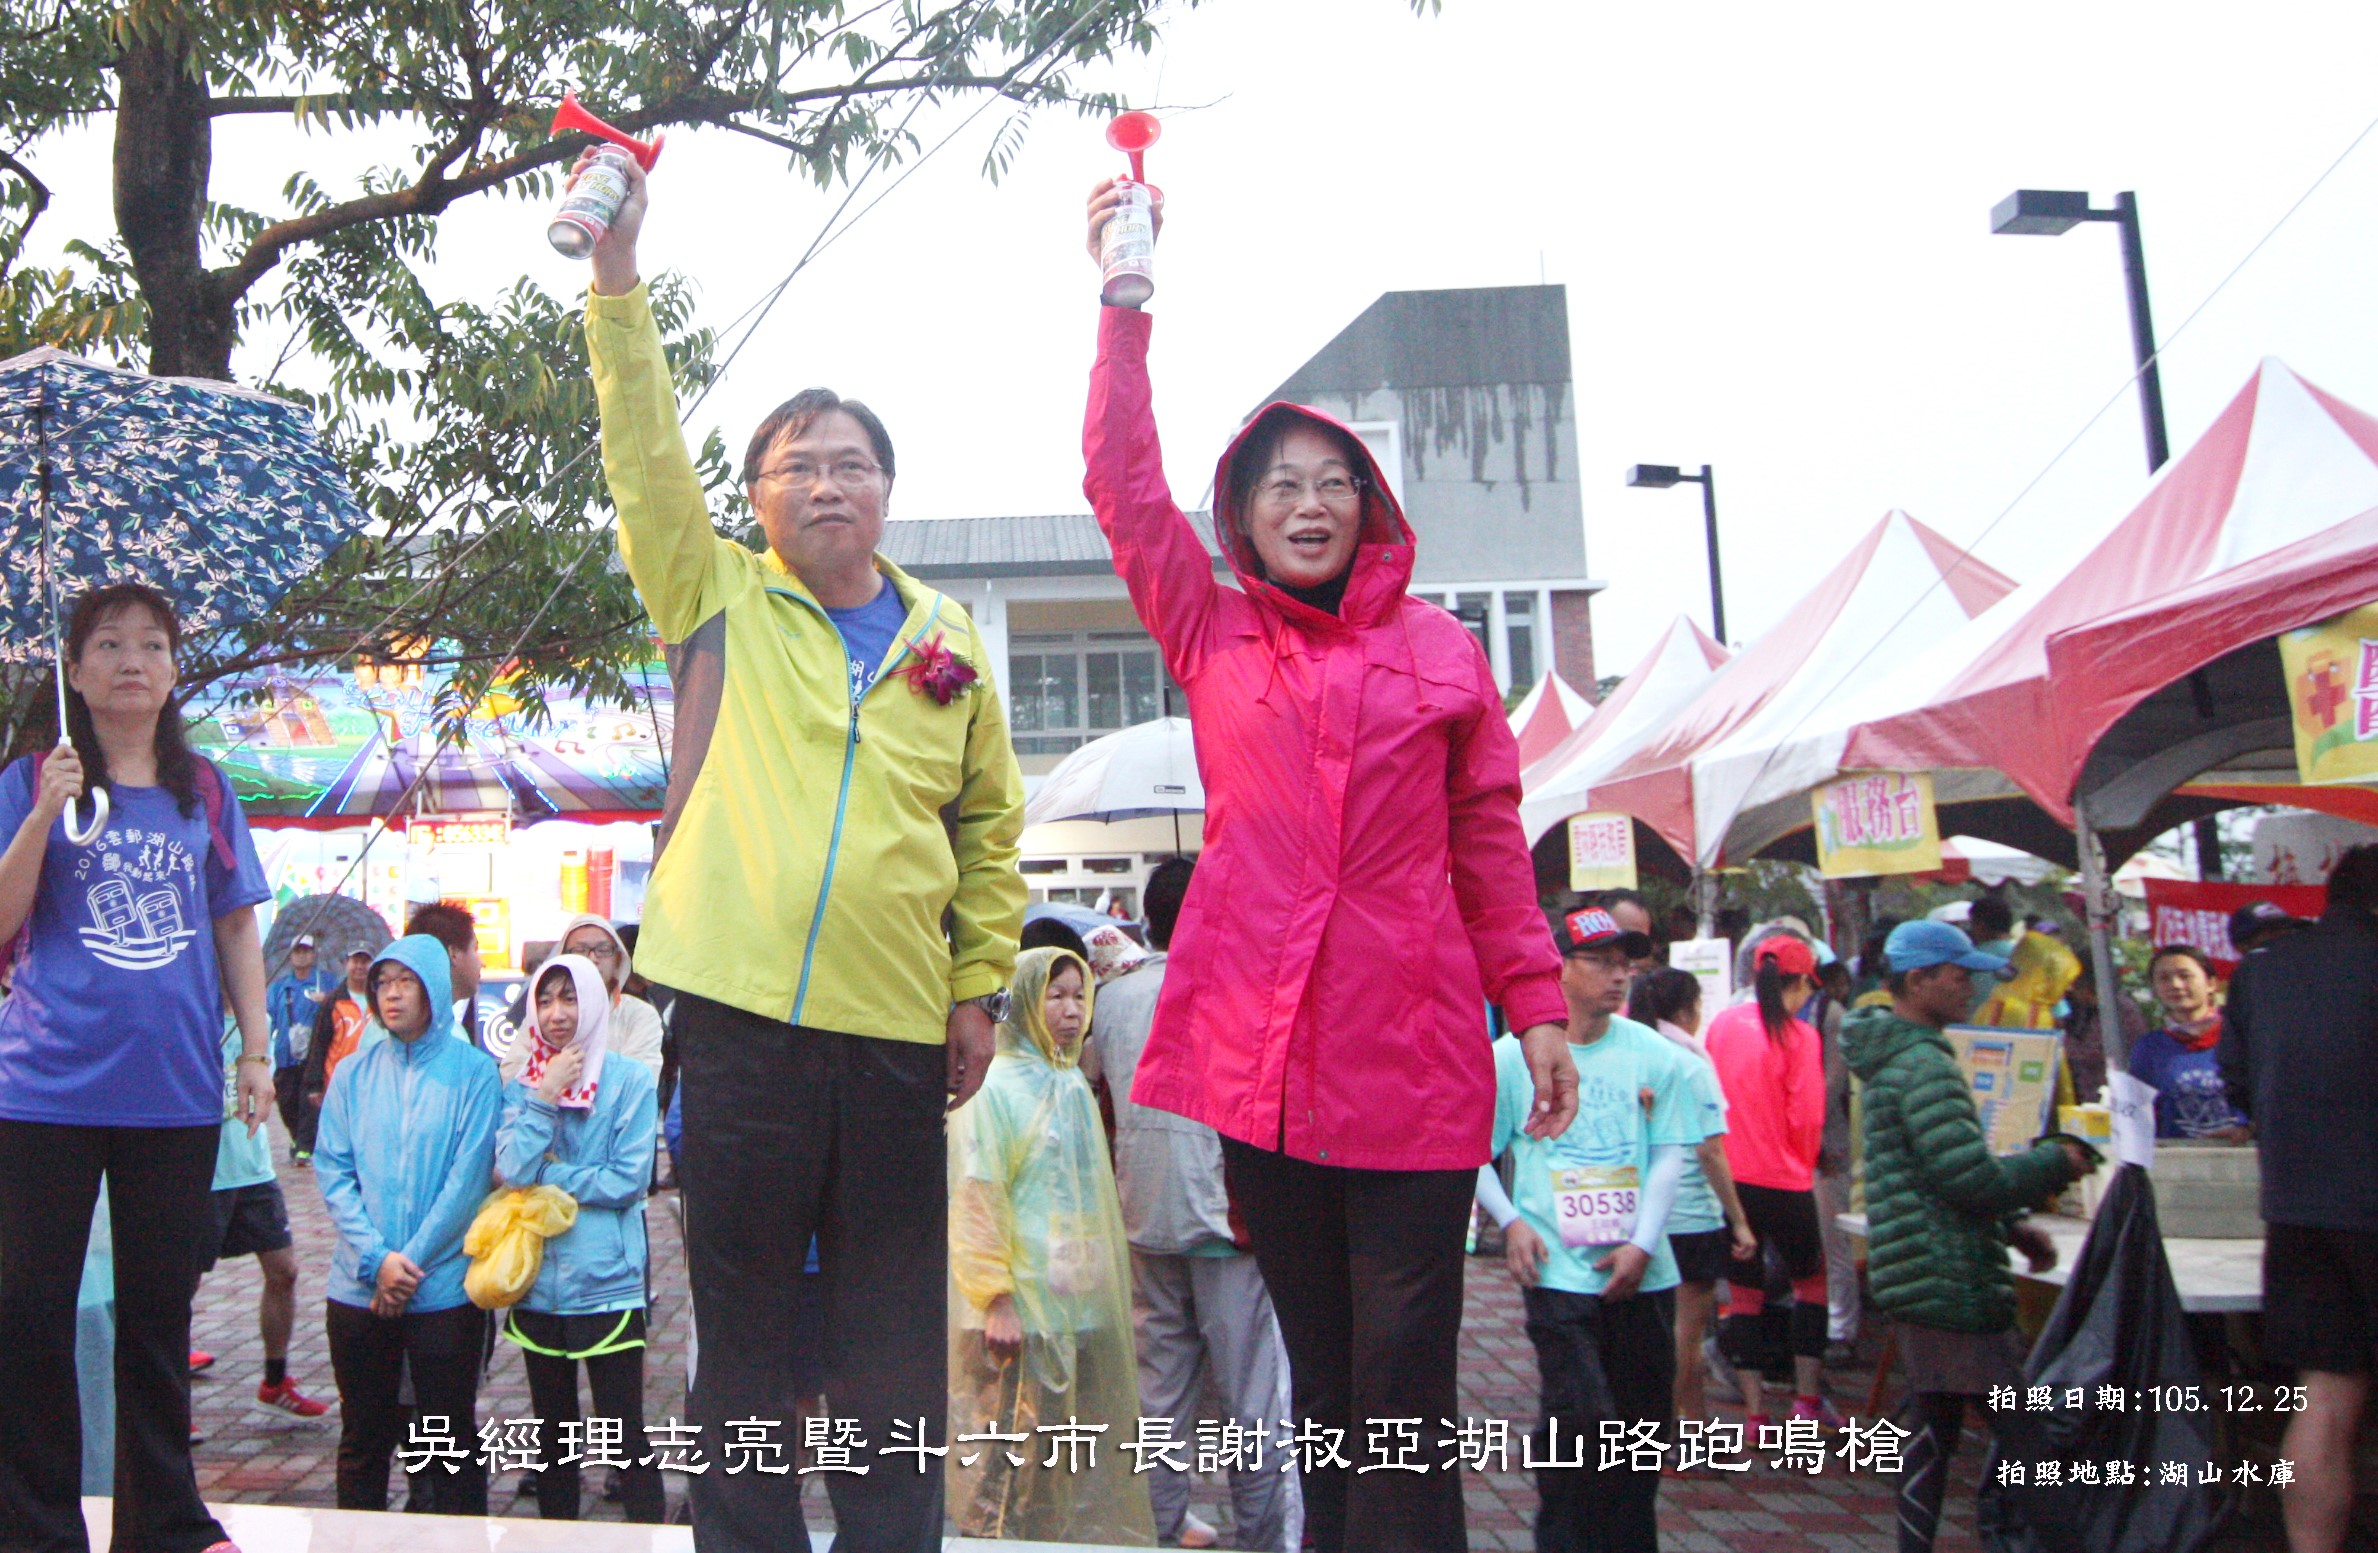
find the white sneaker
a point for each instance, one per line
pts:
(1195, 1533)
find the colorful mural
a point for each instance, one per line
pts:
(335, 748)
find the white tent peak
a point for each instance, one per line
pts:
(1899, 589)
(1548, 714)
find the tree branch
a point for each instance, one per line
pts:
(38, 201)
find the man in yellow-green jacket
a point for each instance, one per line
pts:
(836, 904)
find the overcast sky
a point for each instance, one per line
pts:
(1772, 223)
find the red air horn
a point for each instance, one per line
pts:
(594, 197)
(571, 117)
(1127, 243)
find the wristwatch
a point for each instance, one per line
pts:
(994, 1004)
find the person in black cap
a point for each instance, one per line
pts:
(2260, 923)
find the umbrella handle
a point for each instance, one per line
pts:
(83, 835)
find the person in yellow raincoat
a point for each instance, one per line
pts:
(2043, 968)
(1040, 1274)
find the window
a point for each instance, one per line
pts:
(1511, 618)
(1476, 613)
(1067, 690)
(1519, 636)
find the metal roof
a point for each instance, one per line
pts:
(1039, 545)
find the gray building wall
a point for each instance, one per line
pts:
(1477, 385)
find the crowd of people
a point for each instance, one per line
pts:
(994, 1190)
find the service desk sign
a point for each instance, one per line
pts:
(1601, 852)
(2332, 688)
(1876, 822)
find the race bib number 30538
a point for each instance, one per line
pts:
(1595, 1205)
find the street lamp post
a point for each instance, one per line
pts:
(2053, 212)
(1659, 477)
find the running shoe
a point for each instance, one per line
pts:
(1828, 1416)
(201, 1360)
(286, 1401)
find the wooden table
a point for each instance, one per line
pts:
(2214, 1277)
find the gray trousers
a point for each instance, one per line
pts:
(1841, 1273)
(1209, 1317)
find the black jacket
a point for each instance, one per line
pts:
(2299, 1052)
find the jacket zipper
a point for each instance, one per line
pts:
(850, 757)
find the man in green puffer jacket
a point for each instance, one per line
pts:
(1941, 1209)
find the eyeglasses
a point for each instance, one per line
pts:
(845, 472)
(602, 951)
(1332, 489)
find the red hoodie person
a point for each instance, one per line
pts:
(1366, 887)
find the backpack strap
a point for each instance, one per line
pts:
(213, 792)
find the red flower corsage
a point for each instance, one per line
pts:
(937, 672)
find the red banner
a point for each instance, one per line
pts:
(2182, 912)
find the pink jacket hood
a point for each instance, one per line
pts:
(1382, 566)
(1366, 889)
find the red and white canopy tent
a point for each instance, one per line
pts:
(1901, 588)
(2140, 685)
(1667, 678)
(2257, 529)
(1546, 715)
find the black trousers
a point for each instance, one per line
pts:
(1597, 1359)
(369, 1355)
(288, 1087)
(616, 1384)
(160, 1200)
(1365, 1272)
(791, 1132)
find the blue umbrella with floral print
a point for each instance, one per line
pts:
(217, 496)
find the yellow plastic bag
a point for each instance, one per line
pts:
(506, 1242)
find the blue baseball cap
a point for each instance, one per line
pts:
(1914, 945)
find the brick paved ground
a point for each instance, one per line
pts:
(251, 1458)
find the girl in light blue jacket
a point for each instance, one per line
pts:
(584, 1126)
(403, 1158)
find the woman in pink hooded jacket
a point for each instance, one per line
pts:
(1365, 890)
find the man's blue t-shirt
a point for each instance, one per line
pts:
(867, 633)
(2191, 1101)
(116, 1015)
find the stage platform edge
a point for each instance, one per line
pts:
(268, 1528)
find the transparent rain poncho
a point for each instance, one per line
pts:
(1033, 1215)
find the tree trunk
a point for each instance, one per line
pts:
(164, 153)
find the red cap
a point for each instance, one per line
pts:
(1788, 955)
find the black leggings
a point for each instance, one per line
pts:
(160, 1201)
(1933, 1419)
(369, 1355)
(615, 1382)
(1786, 1224)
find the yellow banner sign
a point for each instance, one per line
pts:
(1876, 822)
(1601, 852)
(2332, 688)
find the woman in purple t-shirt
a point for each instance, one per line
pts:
(129, 947)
